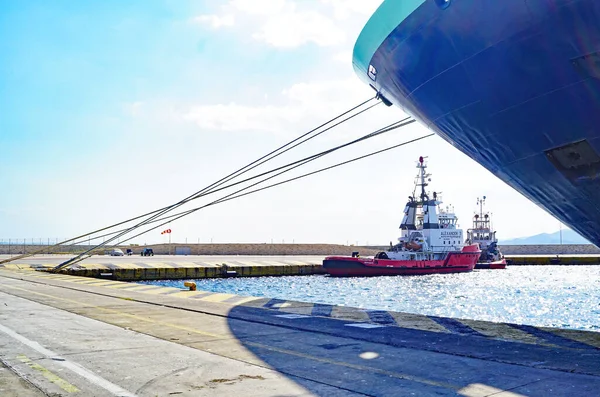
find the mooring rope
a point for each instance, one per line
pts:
(238, 194)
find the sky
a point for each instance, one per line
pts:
(112, 109)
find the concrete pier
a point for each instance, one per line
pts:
(111, 338)
(545, 260)
(163, 267)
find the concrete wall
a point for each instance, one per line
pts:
(550, 249)
(204, 249)
(542, 249)
(17, 249)
(257, 249)
(297, 249)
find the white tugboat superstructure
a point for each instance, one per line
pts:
(425, 233)
(430, 241)
(483, 234)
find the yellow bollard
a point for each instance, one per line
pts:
(191, 285)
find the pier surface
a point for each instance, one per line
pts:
(72, 335)
(163, 267)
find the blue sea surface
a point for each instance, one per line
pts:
(552, 296)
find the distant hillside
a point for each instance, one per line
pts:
(568, 237)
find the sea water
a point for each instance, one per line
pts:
(552, 296)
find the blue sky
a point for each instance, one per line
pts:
(111, 109)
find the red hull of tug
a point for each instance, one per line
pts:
(501, 264)
(455, 262)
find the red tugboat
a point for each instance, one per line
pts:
(434, 245)
(482, 233)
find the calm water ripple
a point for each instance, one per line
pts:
(553, 296)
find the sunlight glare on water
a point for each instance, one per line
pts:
(553, 296)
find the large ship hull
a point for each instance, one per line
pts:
(513, 84)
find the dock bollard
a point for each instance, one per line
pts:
(190, 284)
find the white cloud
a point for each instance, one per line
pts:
(133, 109)
(234, 117)
(303, 104)
(293, 29)
(280, 23)
(343, 9)
(216, 21)
(343, 56)
(261, 7)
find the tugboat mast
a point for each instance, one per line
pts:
(422, 177)
(481, 202)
